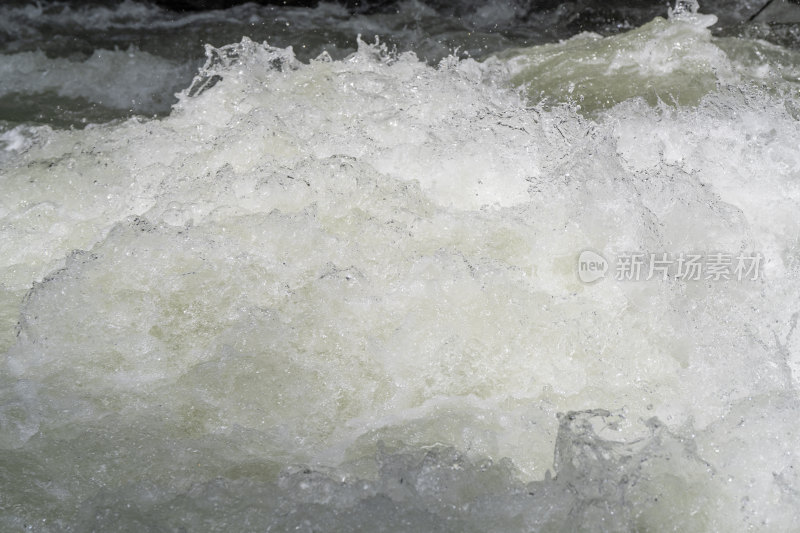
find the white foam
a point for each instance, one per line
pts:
(304, 260)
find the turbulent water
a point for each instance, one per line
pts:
(334, 283)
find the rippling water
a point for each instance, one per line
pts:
(332, 283)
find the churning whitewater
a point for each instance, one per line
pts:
(341, 291)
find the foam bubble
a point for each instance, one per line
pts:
(304, 261)
(664, 60)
